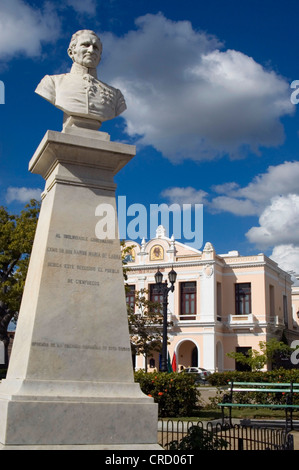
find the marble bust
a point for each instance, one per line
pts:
(85, 100)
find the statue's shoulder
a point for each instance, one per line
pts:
(47, 86)
(53, 78)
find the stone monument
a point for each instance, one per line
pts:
(70, 380)
(85, 100)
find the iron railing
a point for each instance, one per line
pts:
(219, 436)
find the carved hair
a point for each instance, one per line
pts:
(75, 37)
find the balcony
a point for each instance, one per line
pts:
(185, 319)
(276, 324)
(237, 322)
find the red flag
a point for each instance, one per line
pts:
(173, 364)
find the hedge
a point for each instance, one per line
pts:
(220, 379)
(176, 394)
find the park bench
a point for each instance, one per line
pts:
(287, 391)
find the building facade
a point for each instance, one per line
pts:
(295, 300)
(221, 302)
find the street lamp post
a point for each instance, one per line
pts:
(164, 289)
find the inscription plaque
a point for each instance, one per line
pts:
(100, 261)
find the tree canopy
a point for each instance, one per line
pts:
(145, 325)
(144, 316)
(269, 352)
(16, 240)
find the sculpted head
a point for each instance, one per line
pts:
(85, 48)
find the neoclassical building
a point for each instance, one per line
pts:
(295, 300)
(221, 302)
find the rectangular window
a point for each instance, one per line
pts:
(219, 301)
(243, 298)
(240, 366)
(285, 311)
(188, 300)
(272, 301)
(156, 297)
(130, 296)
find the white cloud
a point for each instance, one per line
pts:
(22, 194)
(255, 197)
(182, 196)
(86, 6)
(272, 196)
(278, 223)
(252, 199)
(287, 257)
(181, 87)
(281, 179)
(225, 188)
(275, 197)
(190, 195)
(24, 28)
(234, 206)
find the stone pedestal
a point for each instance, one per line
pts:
(70, 379)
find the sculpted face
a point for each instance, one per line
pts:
(87, 50)
(79, 93)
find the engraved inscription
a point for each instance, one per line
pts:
(79, 346)
(94, 256)
(87, 283)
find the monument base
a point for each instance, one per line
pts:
(97, 415)
(120, 447)
(70, 382)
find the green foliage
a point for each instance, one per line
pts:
(269, 352)
(145, 325)
(220, 379)
(125, 252)
(176, 394)
(16, 240)
(199, 439)
(145, 319)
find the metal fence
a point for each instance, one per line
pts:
(216, 436)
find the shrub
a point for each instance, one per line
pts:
(176, 394)
(199, 439)
(221, 379)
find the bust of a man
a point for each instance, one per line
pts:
(85, 100)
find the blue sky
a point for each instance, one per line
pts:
(207, 86)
